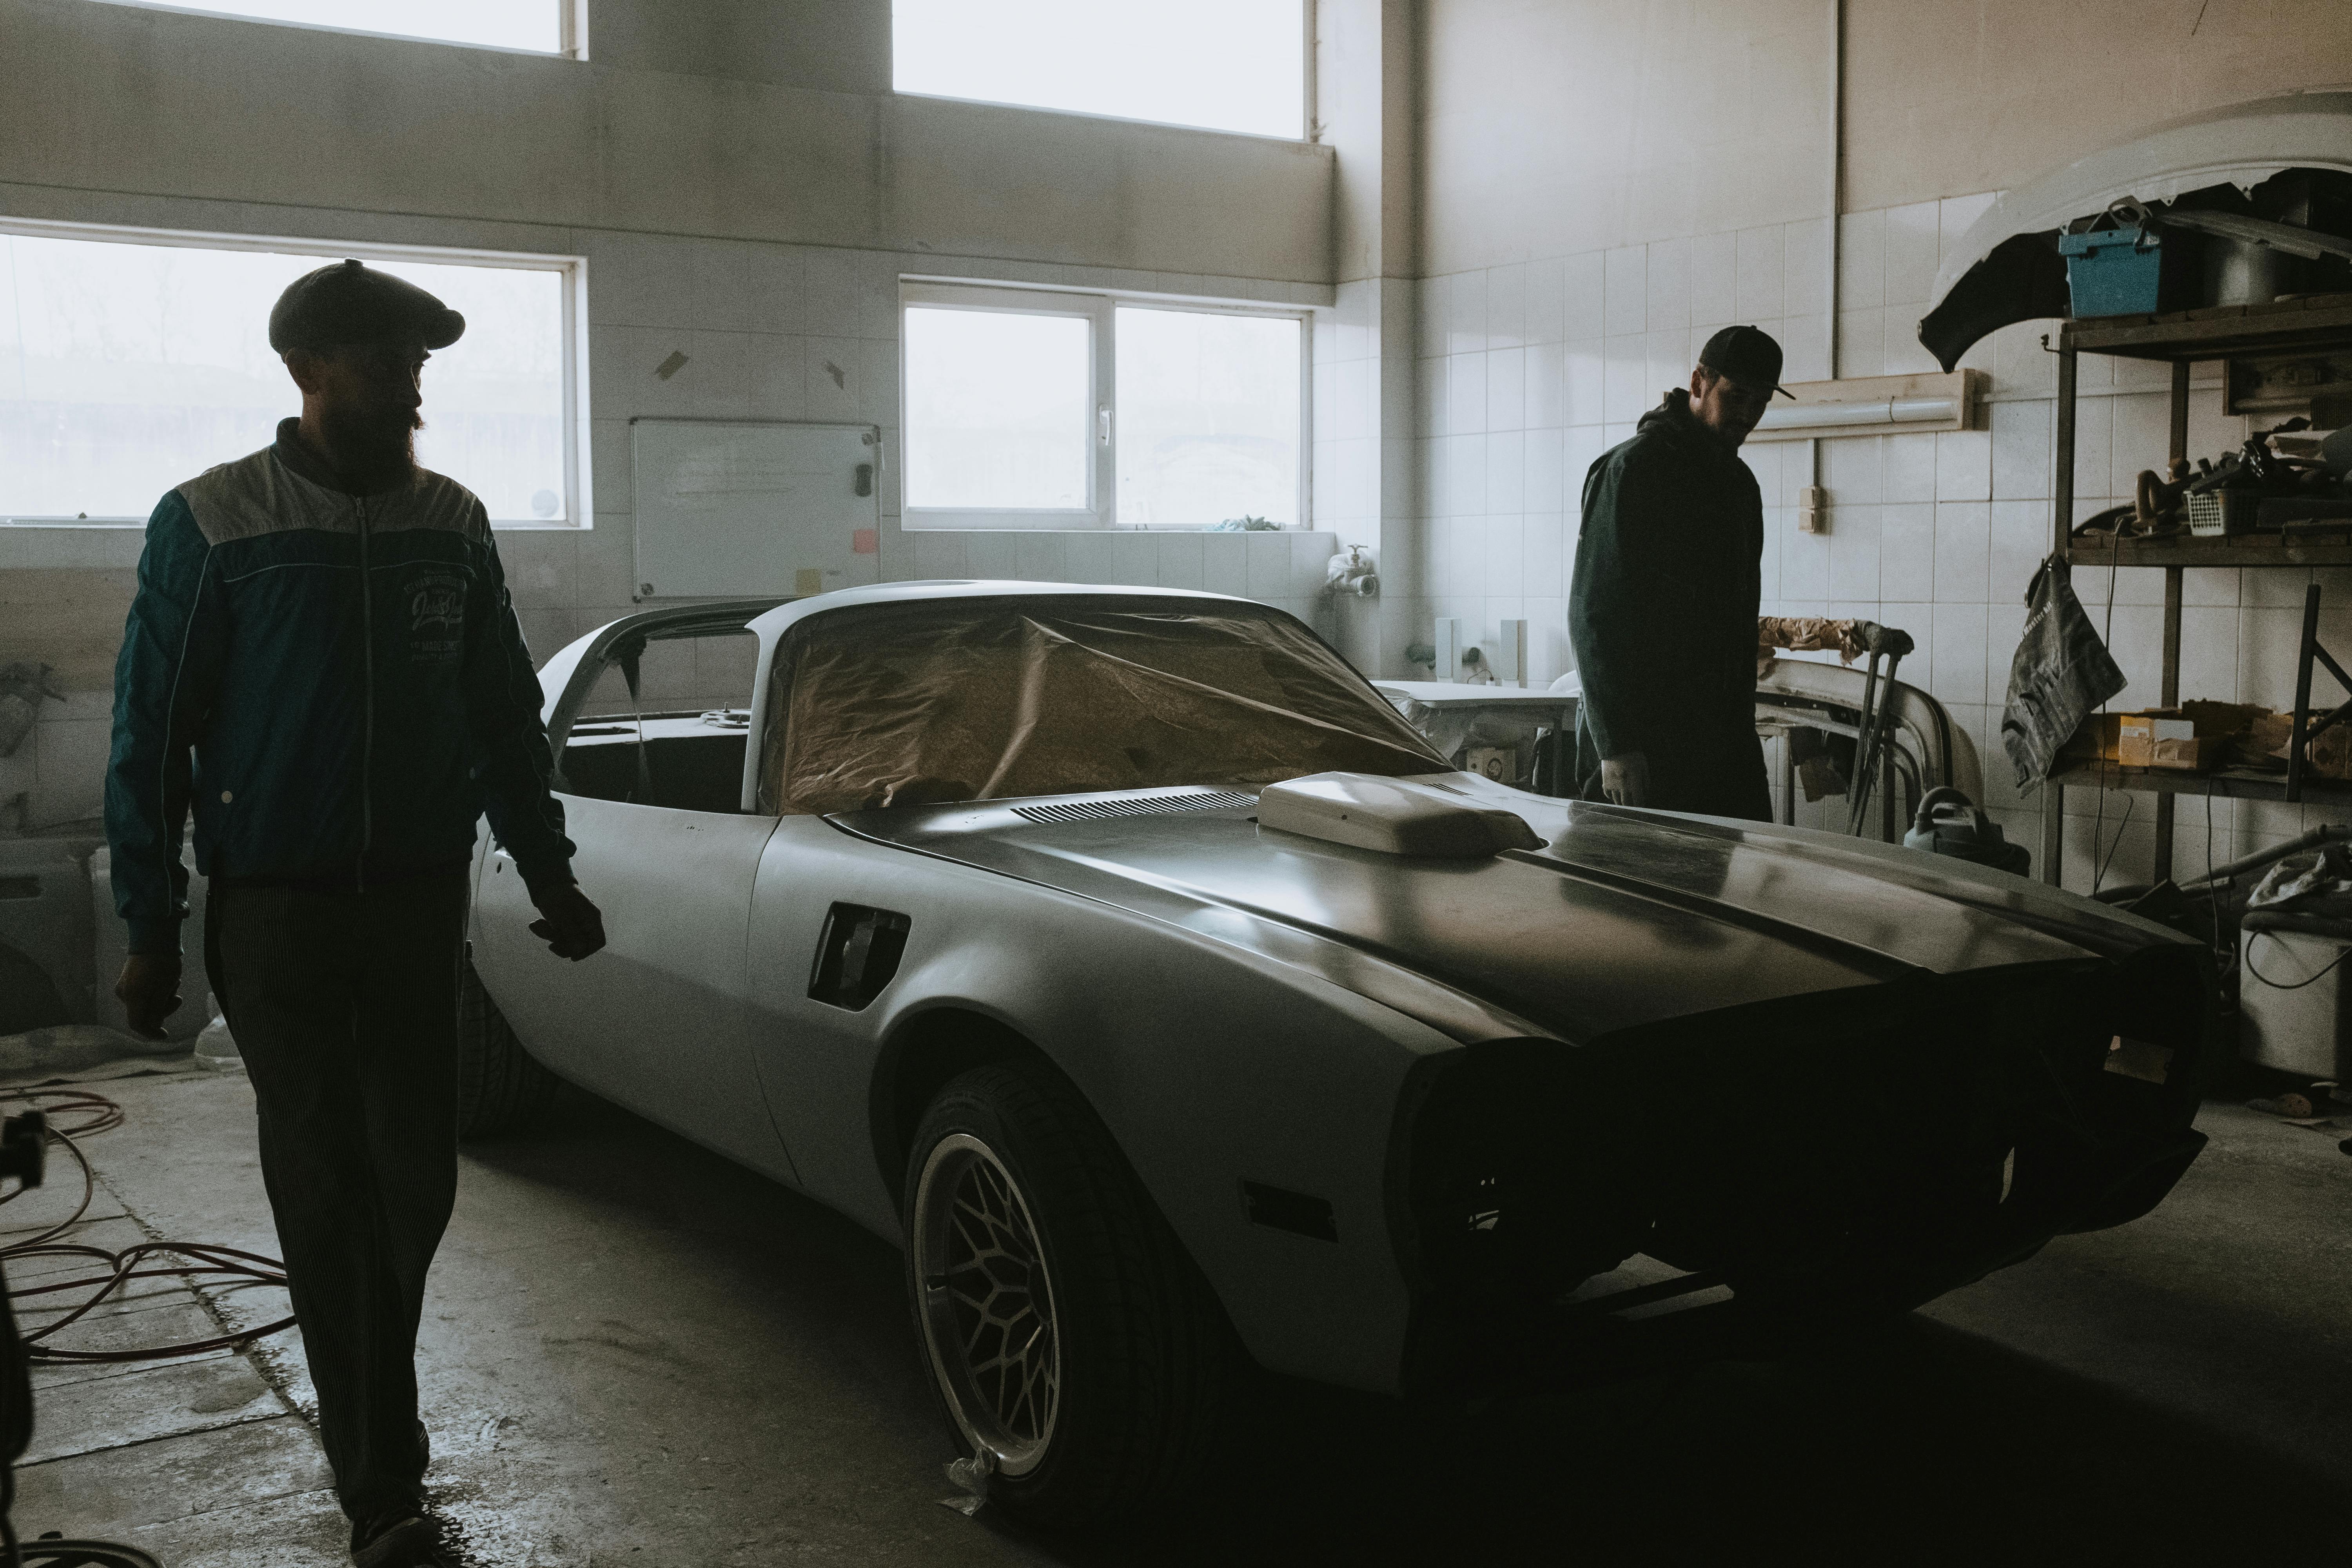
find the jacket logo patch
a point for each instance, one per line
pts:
(437, 617)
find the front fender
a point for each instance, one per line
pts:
(1210, 1065)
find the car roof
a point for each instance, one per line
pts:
(773, 623)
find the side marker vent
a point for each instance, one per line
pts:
(1301, 1214)
(858, 955)
(1134, 805)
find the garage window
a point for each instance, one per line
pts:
(536, 27)
(1223, 65)
(1064, 410)
(129, 363)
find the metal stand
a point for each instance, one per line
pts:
(2307, 730)
(1870, 758)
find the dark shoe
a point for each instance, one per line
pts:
(406, 1538)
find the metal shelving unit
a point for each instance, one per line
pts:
(2222, 783)
(2182, 339)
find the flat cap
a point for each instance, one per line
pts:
(352, 303)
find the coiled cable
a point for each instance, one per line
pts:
(87, 1113)
(93, 1113)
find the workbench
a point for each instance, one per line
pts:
(2183, 339)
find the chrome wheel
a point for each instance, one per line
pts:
(987, 1302)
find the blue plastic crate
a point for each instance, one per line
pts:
(2124, 271)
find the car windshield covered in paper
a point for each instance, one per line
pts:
(987, 699)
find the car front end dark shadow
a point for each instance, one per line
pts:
(1791, 1168)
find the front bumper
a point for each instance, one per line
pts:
(1823, 1160)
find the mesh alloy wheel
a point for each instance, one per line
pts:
(987, 1303)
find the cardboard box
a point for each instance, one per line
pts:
(2197, 735)
(2094, 739)
(2142, 738)
(2218, 720)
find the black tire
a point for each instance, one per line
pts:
(501, 1087)
(1142, 1358)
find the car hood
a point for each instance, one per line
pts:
(1624, 918)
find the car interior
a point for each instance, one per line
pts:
(665, 724)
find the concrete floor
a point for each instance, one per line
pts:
(635, 1354)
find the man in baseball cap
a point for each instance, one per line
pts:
(1662, 609)
(323, 667)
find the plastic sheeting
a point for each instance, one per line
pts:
(989, 700)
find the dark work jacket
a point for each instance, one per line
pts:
(1662, 615)
(335, 684)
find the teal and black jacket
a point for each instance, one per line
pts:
(336, 683)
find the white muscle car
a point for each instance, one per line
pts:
(1122, 954)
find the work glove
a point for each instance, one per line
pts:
(150, 992)
(1625, 779)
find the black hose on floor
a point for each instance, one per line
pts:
(90, 1113)
(94, 1114)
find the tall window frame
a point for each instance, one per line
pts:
(1099, 309)
(577, 506)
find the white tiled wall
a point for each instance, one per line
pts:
(1526, 373)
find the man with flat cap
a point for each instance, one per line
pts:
(323, 665)
(1663, 608)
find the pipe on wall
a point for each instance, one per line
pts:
(1832, 183)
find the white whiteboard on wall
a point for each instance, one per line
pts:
(730, 508)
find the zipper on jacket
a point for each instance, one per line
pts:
(367, 667)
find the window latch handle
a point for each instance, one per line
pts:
(1102, 424)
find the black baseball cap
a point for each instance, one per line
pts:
(1748, 355)
(352, 303)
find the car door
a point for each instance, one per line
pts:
(813, 1047)
(656, 1021)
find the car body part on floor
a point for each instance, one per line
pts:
(1009, 949)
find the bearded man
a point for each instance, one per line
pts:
(322, 660)
(1663, 608)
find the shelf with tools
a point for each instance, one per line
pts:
(2183, 339)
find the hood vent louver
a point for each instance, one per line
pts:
(1134, 805)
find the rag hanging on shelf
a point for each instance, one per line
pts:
(2062, 673)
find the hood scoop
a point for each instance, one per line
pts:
(1392, 817)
